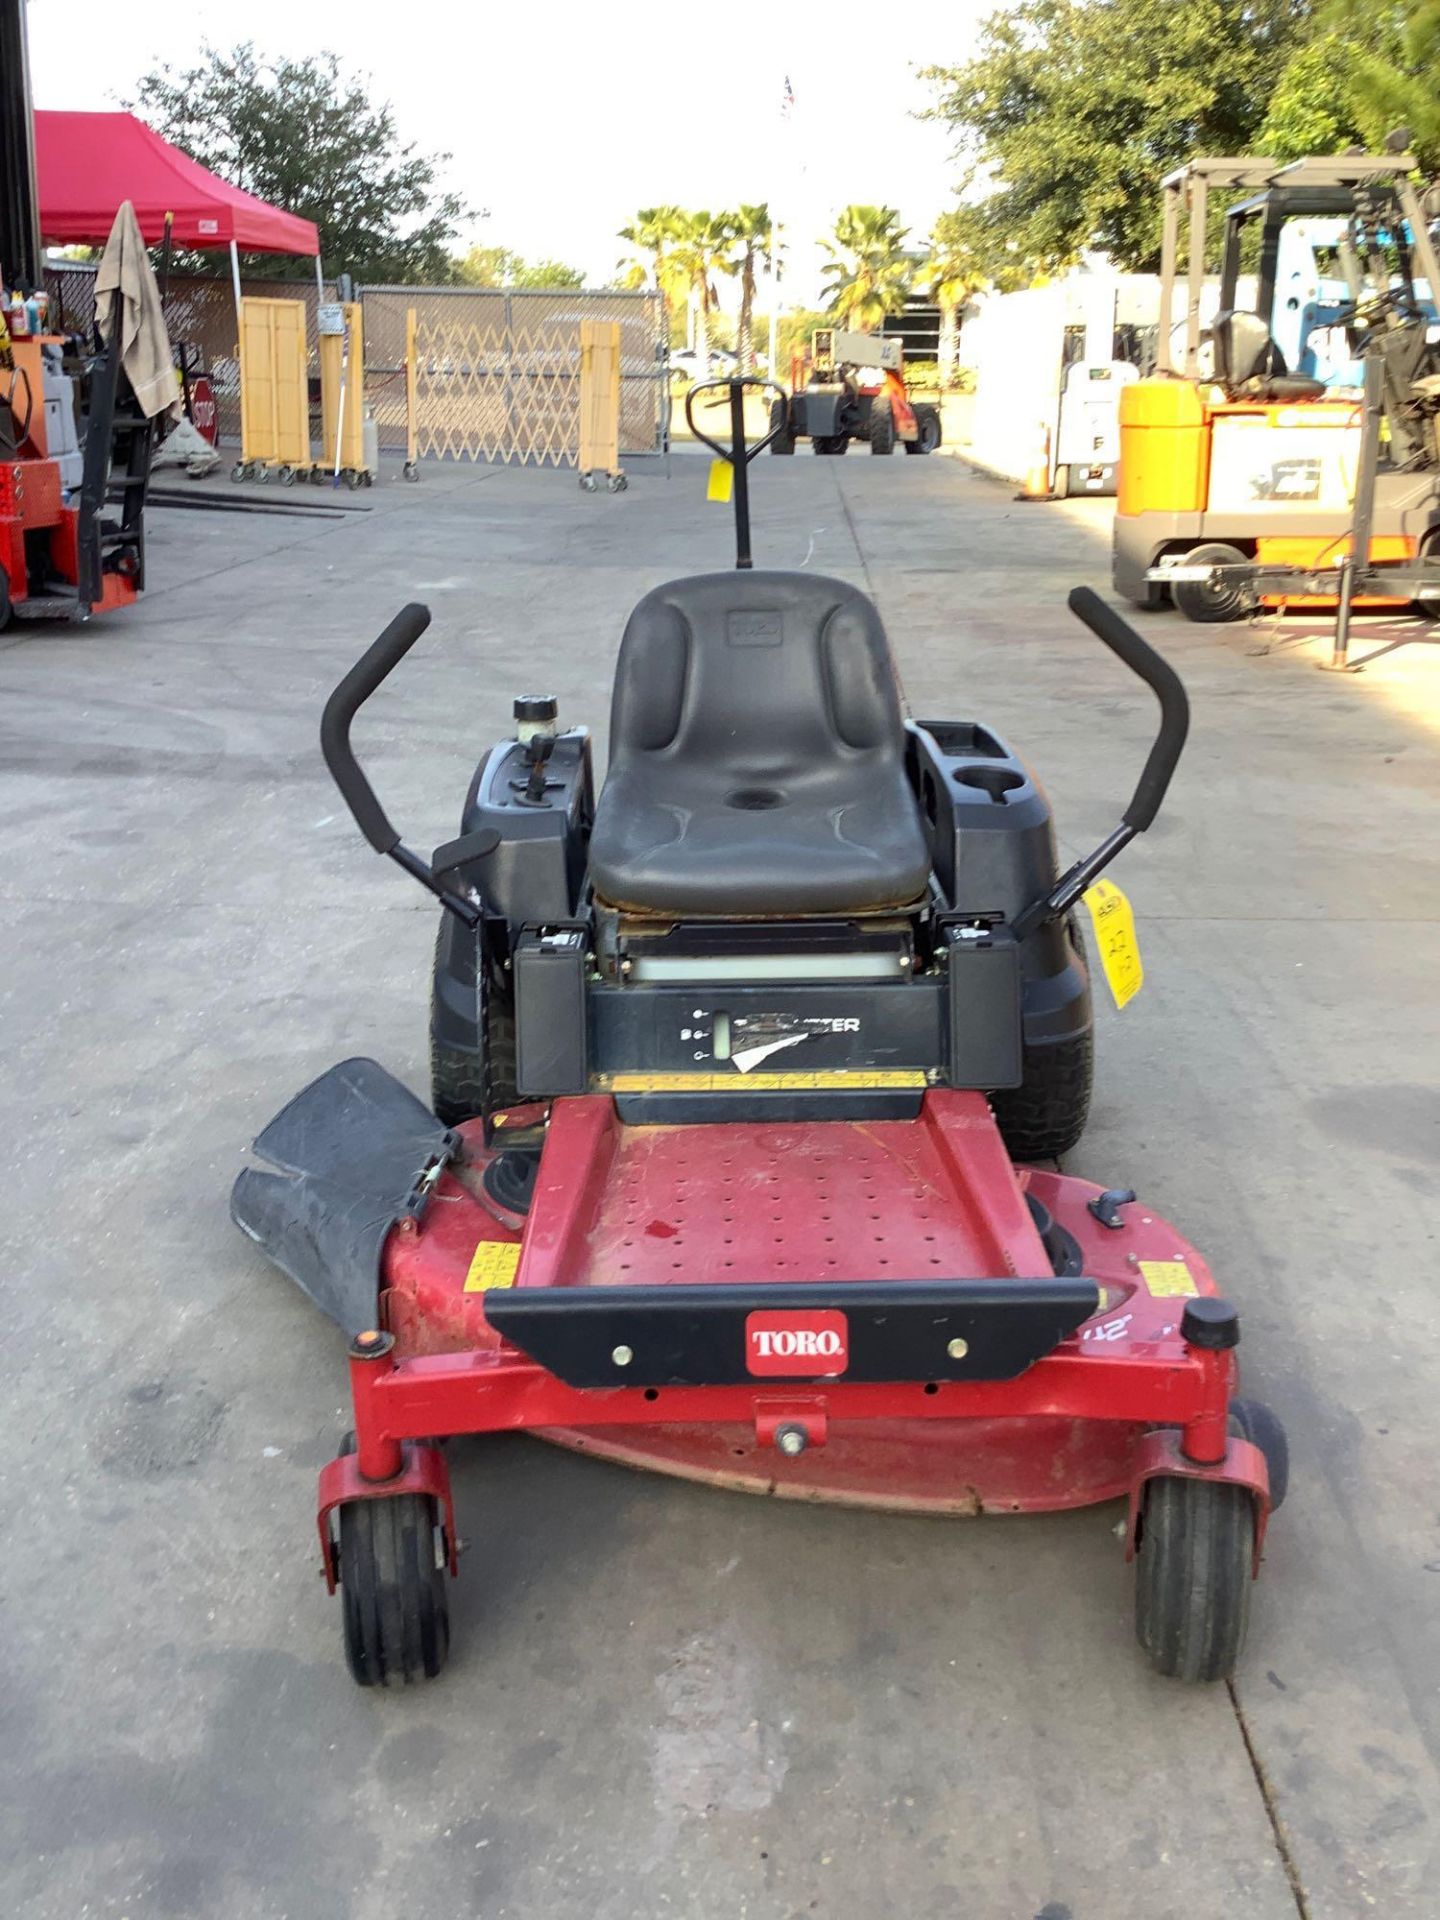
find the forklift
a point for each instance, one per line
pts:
(72, 524)
(854, 389)
(1246, 481)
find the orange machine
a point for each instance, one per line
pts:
(1251, 477)
(1238, 474)
(59, 559)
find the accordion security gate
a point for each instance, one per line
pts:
(498, 373)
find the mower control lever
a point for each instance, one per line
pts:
(1141, 658)
(537, 755)
(378, 661)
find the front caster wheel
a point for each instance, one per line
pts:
(392, 1589)
(617, 483)
(589, 483)
(1193, 1576)
(410, 470)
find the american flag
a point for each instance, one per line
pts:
(787, 102)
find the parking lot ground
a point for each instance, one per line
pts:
(665, 1700)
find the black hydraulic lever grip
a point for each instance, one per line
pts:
(1163, 681)
(735, 455)
(373, 666)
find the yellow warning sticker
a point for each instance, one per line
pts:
(1115, 940)
(493, 1265)
(722, 481)
(824, 1080)
(1168, 1279)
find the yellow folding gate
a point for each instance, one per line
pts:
(274, 391)
(497, 375)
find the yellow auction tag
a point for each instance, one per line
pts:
(722, 481)
(1168, 1279)
(493, 1265)
(1115, 940)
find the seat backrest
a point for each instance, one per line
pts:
(1244, 349)
(755, 668)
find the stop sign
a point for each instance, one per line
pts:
(203, 410)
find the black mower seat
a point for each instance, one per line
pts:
(757, 755)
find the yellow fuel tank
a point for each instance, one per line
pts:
(1164, 448)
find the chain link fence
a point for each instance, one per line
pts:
(498, 372)
(200, 312)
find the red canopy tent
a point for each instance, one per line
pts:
(87, 163)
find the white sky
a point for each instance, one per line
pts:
(563, 119)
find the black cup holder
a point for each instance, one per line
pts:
(996, 781)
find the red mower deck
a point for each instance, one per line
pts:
(825, 1204)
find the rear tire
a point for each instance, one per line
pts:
(1193, 1576)
(466, 1084)
(882, 425)
(396, 1613)
(927, 422)
(1045, 1115)
(1211, 606)
(784, 441)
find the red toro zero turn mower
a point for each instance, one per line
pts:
(741, 1073)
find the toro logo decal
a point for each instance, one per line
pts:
(804, 1345)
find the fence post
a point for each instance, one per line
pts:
(412, 444)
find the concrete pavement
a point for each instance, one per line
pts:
(665, 1700)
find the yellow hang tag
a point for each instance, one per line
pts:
(493, 1265)
(1168, 1279)
(1115, 940)
(722, 481)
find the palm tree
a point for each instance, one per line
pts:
(951, 274)
(754, 235)
(869, 269)
(704, 245)
(653, 233)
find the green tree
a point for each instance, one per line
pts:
(546, 273)
(951, 273)
(1072, 110)
(1366, 71)
(703, 246)
(652, 234)
(1312, 109)
(499, 267)
(1396, 73)
(755, 237)
(307, 136)
(484, 267)
(869, 270)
